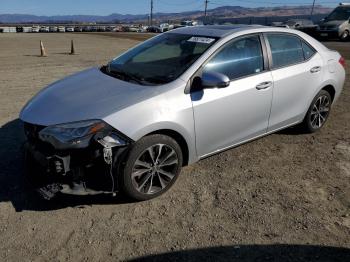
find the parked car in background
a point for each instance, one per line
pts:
(19, 29)
(133, 29)
(189, 23)
(142, 29)
(173, 100)
(44, 29)
(337, 23)
(109, 28)
(101, 29)
(35, 29)
(53, 29)
(164, 27)
(27, 29)
(299, 23)
(86, 28)
(69, 29)
(304, 25)
(117, 29)
(61, 29)
(154, 29)
(78, 29)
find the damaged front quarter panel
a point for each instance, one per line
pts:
(87, 168)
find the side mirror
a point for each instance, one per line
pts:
(214, 79)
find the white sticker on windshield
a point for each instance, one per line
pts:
(202, 40)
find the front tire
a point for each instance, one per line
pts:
(345, 36)
(318, 112)
(152, 167)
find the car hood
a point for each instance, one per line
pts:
(332, 23)
(89, 94)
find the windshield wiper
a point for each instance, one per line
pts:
(126, 76)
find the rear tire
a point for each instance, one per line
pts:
(318, 112)
(152, 167)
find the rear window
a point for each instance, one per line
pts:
(308, 50)
(289, 50)
(286, 49)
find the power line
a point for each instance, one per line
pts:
(205, 10)
(215, 2)
(206, 7)
(151, 17)
(312, 9)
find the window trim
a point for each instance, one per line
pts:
(267, 55)
(265, 63)
(264, 51)
(271, 68)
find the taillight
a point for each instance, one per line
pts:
(342, 61)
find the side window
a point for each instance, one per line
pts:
(286, 50)
(308, 50)
(239, 58)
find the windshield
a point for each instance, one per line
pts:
(340, 13)
(159, 60)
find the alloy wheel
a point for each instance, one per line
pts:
(154, 169)
(320, 111)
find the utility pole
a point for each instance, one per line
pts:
(205, 11)
(151, 18)
(312, 9)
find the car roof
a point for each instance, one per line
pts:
(215, 30)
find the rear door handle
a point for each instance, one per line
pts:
(315, 69)
(264, 85)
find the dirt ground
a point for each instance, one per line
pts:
(285, 197)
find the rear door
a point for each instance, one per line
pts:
(297, 72)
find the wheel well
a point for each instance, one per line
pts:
(330, 89)
(179, 139)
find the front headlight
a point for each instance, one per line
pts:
(72, 135)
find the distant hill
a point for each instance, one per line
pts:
(223, 12)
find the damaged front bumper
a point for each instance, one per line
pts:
(88, 170)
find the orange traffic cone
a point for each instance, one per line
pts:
(72, 50)
(42, 49)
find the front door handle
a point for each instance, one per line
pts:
(315, 69)
(264, 85)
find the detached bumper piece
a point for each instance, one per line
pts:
(85, 171)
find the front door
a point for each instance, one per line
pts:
(228, 116)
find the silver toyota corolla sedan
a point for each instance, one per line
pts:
(181, 96)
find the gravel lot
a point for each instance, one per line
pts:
(285, 197)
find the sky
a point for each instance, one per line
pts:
(106, 7)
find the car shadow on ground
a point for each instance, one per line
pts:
(15, 189)
(256, 253)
